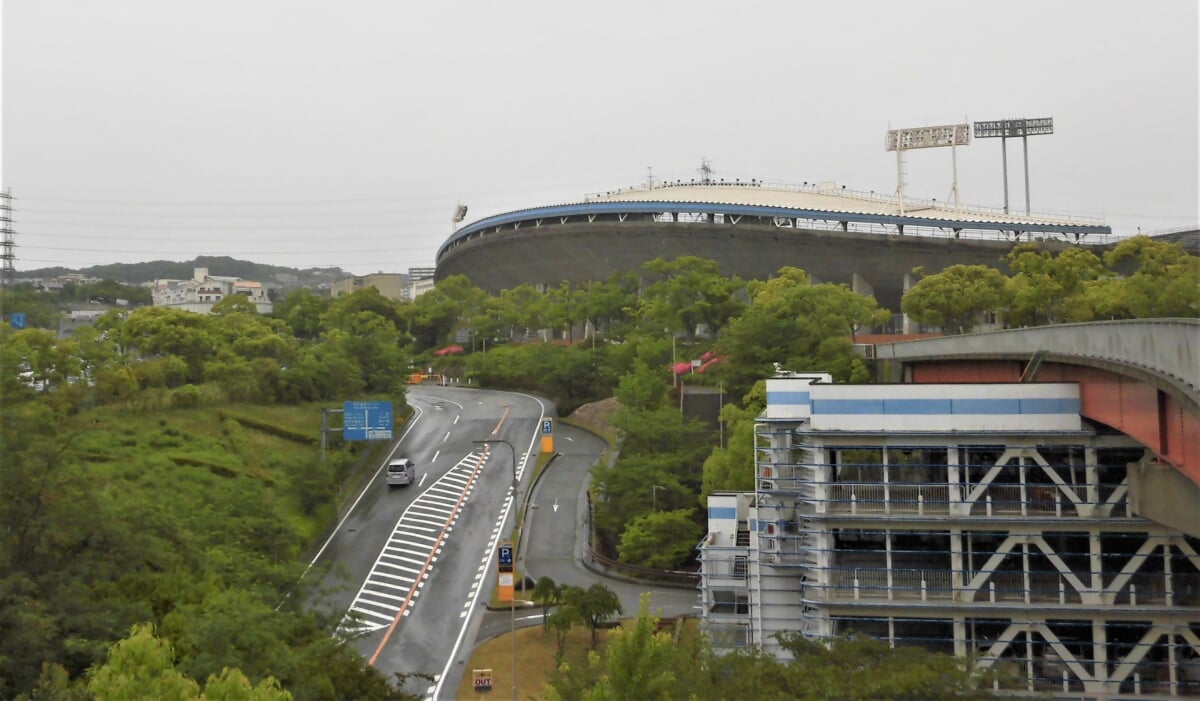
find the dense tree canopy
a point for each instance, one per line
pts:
(955, 298)
(642, 662)
(799, 325)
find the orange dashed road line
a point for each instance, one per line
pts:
(503, 416)
(433, 551)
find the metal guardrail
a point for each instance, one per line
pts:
(647, 574)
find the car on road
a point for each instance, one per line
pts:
(401, 472)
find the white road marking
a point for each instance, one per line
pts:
(410, 550)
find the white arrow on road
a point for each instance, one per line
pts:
(556, 504)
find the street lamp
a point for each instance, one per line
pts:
(654, 495)
(512, 604)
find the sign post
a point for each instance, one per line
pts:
(547, 435)
(504, 570)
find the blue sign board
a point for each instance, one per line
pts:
(17, 319)
(506, 556)
(547, 427)
(367, 421)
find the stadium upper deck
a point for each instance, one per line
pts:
(751, 229)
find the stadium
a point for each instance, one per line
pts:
(751, 229)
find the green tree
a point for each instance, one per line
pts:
(606, 304)
(525, 309)
(563, 307)
(731, 468)
(141, 666)
(640, 663)
(40, 309)
(859, 667)
(801, 326)
(1045, 288)
(642, 388)
(547, 594)
(302, 310)
(662, 539)
(561, 621)
(955, 298)
(236, 303)
(375, 344)
(342, 310)
(232, 685)
(595, 606)
(688, 292)
(432, 318)
(150, 332)
(1164, 282)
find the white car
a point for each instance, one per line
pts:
(401, 472)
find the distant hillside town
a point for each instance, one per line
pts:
(203, 291)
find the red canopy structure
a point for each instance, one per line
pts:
(448, 350)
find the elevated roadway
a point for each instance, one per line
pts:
(1139, 377)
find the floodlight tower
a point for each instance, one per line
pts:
(1005, 128)
(460, 213)
(901, 140)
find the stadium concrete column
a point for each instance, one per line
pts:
(906, 323)
(860, 285)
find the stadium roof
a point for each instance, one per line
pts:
(828, 197)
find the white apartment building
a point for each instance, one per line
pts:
(988, 521)
(203, 291)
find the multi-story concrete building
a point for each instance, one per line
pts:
(989, 521)
(203, 291)
(394, 286)
(420, 281)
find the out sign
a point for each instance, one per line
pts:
(483, 680)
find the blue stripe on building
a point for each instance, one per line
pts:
(942, 406)
(788, 397)
(726, 512)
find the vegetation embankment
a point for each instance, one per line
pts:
(659, 660)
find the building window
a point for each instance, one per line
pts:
(740, 566)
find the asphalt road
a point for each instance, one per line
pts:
(554, 544)
(410, 569)
(410, 566)
(555, 539)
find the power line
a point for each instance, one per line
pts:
(307, 227)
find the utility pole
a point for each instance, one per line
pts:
(507, 562)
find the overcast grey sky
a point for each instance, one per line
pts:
(306, 133)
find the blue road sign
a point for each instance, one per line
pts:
(506, 555)
(17, 319)
(547, 427)
(367, 421)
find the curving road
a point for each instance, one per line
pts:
(410, 565)
(410, 569)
